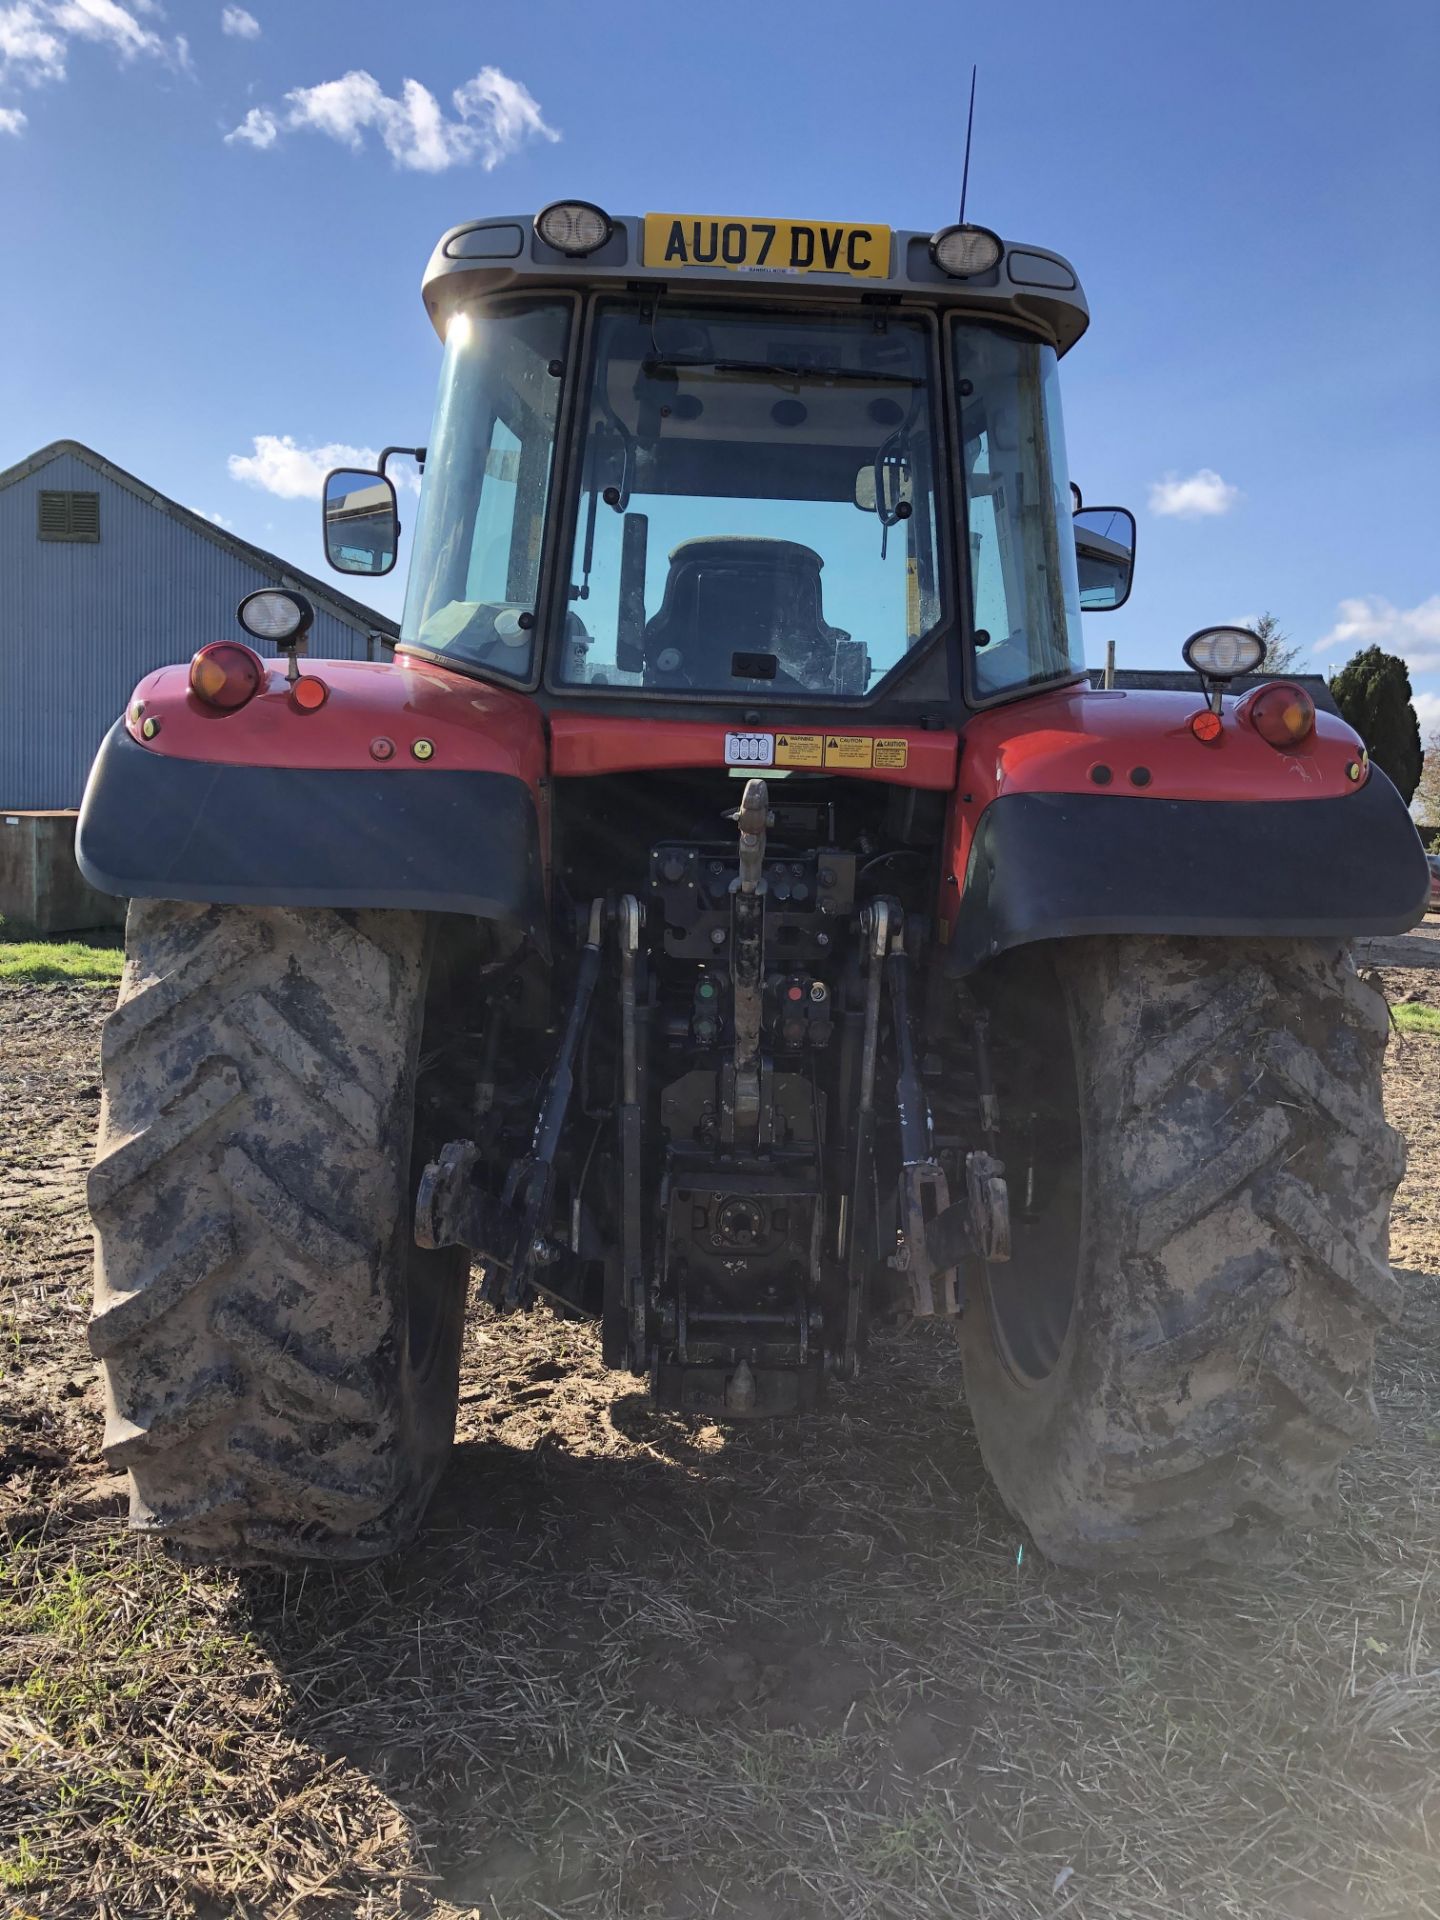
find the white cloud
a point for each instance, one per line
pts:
(1427, 712)
(109, 22)
(12, 120)
(292, 472)
(1372, 620)
(35, 36)
(281, 466)
(501, 115)
(495, 117)
(30, 49)
(1200, 497)
(257, 129)
(239, 24)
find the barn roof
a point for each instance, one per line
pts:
(354, 612)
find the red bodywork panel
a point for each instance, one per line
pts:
(1048, 743)
(1056, 742)
(471, 726)
(591, 743)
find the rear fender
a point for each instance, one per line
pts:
(410, 787)
(1084, 812)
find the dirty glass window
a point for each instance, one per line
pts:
(1024, 589)
(475, 571)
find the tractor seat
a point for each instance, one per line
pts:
(728, 595)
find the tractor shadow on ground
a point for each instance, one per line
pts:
(639, 1667)
(602, 1603)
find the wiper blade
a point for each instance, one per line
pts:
(773, 370)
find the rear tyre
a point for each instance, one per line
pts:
(281, 1361)
(1181, 1353)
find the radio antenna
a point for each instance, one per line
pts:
(969, 130)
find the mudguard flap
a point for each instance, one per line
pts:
(410, 786)
(1047, 866)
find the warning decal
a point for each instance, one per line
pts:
(848, 750)
(839, 750)
(799, 749)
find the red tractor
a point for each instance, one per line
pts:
(733, 915)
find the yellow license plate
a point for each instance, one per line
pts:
(680, 240)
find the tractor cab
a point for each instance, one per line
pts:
(753, 464)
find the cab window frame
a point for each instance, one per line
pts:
(573, 300)
(566, 506)
(975, 701)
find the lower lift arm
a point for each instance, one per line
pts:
(508, 1235)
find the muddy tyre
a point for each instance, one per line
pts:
(1181, 1353)
(281, 1361)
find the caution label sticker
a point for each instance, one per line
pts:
(799, 749)
(842, 751)
(848, 750)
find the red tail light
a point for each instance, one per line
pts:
(308, 693)
(1281, 713)
(226, 675)
(1206, 724)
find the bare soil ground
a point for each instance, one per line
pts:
(642, 1666)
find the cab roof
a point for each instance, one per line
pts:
(505, 254)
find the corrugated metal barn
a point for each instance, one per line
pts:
(103, 579)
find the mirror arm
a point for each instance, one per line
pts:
(417, 454)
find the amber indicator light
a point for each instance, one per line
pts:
(1205, 725)
(1282, 713)
(226, 675)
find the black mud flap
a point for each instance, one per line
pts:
(1054, 866)
(157, 828)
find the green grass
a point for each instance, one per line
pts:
(94, 961)
(1413, 1016)
(24, 1868)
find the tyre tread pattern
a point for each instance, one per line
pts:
(1235, 1271)
(247, 1194)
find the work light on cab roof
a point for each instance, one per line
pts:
(961, 251)
(574, 227)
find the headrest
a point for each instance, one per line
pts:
(746, 550)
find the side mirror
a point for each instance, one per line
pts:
(362, 522)
(1104, 557)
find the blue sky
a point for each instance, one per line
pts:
(1251, 193)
